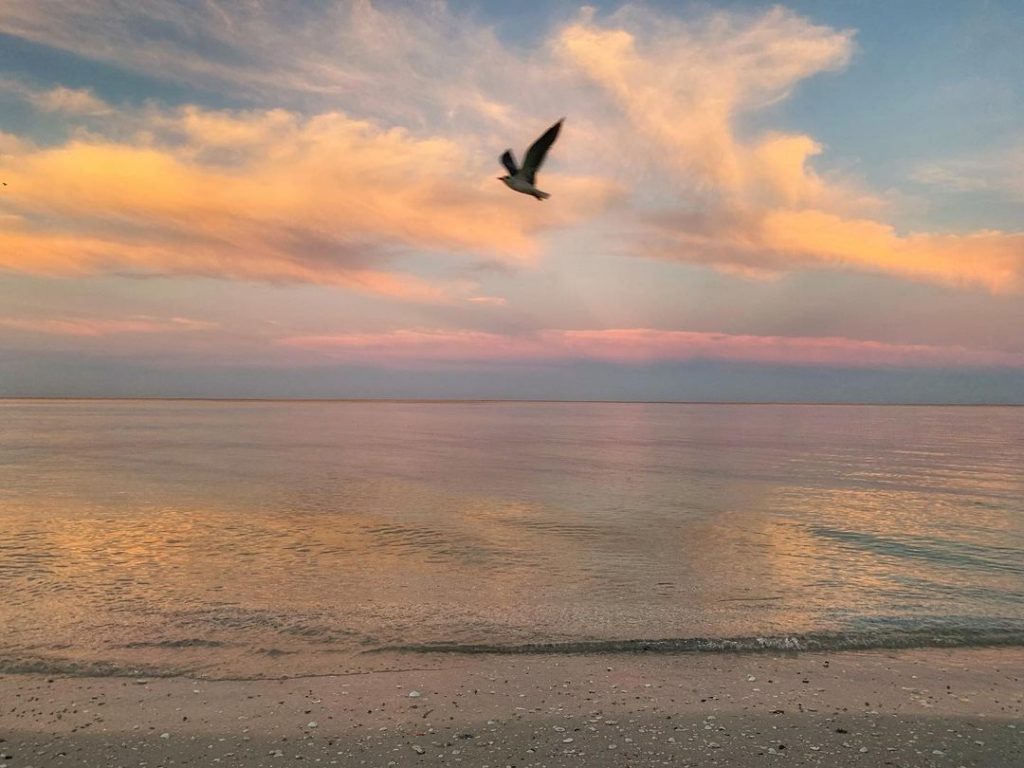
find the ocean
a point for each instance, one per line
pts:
(274, 539)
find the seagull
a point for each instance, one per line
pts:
(522, 179)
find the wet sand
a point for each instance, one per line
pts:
(925, 708)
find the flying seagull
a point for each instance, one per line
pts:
(522, 179)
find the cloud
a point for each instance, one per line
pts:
(683, 84)
(662, 112)
(11, 145)
(81, 326)
(149, 35)
(754, 204)
(268, 195)
(494, 301)
(767, 243)
(72, 101)
(999, 170)
(412, 65)
(990, 258)
(76, 101)
(633, 346)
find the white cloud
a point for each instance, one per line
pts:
(996, 170)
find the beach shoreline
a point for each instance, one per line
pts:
(927, 707)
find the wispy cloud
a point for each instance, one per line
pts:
(494, 301)
(86, 326)
(387, 145)
(75, 101)
(637, 346)
(413, 64)
(998, 170)
(72, 101)
(684, 84)
(755, 205)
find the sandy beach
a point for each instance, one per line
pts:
(930, 708)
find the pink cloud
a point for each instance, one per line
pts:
(638, 346)
(494, 301)
(79, 326)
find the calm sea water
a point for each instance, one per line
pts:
(277, 538)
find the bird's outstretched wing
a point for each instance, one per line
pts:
(509, 162)
(538, 150)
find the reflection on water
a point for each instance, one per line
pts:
(274, 538)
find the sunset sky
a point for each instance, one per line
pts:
(821, 200)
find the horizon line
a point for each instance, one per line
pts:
(485, 400)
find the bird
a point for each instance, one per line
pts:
(523, 179)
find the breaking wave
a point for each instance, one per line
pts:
(210, 668)
(859, 641)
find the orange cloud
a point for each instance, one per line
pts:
(684, 83)
(268, 195)
(637, 346)
(756, 206)
(59, 255)
(992, 259)
(763, 244)
(659, 103)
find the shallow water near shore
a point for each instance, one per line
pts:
(283, 538)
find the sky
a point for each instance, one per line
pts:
(812, 201)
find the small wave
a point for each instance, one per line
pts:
(275, 652)
(782, 643)
(68, 668)
(860, 641)
(948, 553)
(191, 642)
